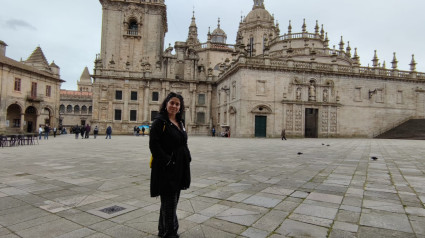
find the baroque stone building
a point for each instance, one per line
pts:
(76, 106)
(265, 82)
(29, 92)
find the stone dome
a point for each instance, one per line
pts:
(260, 14)
(219, 32)
(218, 35)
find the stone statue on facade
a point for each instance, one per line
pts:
(311, 93)
(325, 95)
(298, 94)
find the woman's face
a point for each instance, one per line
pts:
(173, 106)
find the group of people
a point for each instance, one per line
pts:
(136, 131)
(225, 133)
(45, 131)
(84, 131)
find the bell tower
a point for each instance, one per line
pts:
(132, 34)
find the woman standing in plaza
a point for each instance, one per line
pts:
(171, 162)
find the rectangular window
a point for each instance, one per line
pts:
(34, 89)
(118, 95)
(133, 115)
(379, 96)
(201, 99)
(48, 91)
(16, 122)
(155, 96)
(117, 115)
(153, 114)
(200, 117)
(133, 95)
(218, 118)
(17, 84)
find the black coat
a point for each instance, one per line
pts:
(171, 157)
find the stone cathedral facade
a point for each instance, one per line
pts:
(265, 82)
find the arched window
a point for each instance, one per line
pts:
(62, 108)
(90, 109)
(69, 109)
(84, 109)
(77, 109)
(133, 27)
(251, 46)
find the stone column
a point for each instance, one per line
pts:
(146, 103)
(22, 122)
(209, 106)
(126, 112)
(193, 103)
(140, 108)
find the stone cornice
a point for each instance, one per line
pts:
(329, 69)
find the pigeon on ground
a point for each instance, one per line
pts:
(299, 153)
(323, 144)
(328, 145)
(374, 158)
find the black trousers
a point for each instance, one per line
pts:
(168, 223)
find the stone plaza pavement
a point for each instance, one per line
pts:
(65, 187)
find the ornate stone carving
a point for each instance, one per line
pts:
(324, 119)
(289, 118)
(298, 119)
(179, 85)
(311, 93)
(333, 118)
(262, 109)
(325, 95)
(298, 94)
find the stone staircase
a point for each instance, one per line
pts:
(413, 129)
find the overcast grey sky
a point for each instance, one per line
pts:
(69, 31)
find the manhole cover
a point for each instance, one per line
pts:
(112, 210)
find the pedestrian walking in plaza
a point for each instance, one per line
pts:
(143, 131)
(46, 132)
(76, 130)
(88, 128)
(134, 130)
(108, 132)
(54, 131)
(82, 131)
(213, 132)
(40, 131)
(95, 131)
(283, 134)
(171, 162)
(137, 131)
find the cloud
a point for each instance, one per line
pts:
(15, 24)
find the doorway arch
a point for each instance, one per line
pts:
(13, 117)
(31, 119)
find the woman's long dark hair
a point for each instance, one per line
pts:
(163, 110)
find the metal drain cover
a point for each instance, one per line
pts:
(112, 210)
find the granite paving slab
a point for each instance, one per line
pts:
(241, 187)
(386, 220)
(292, 228)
